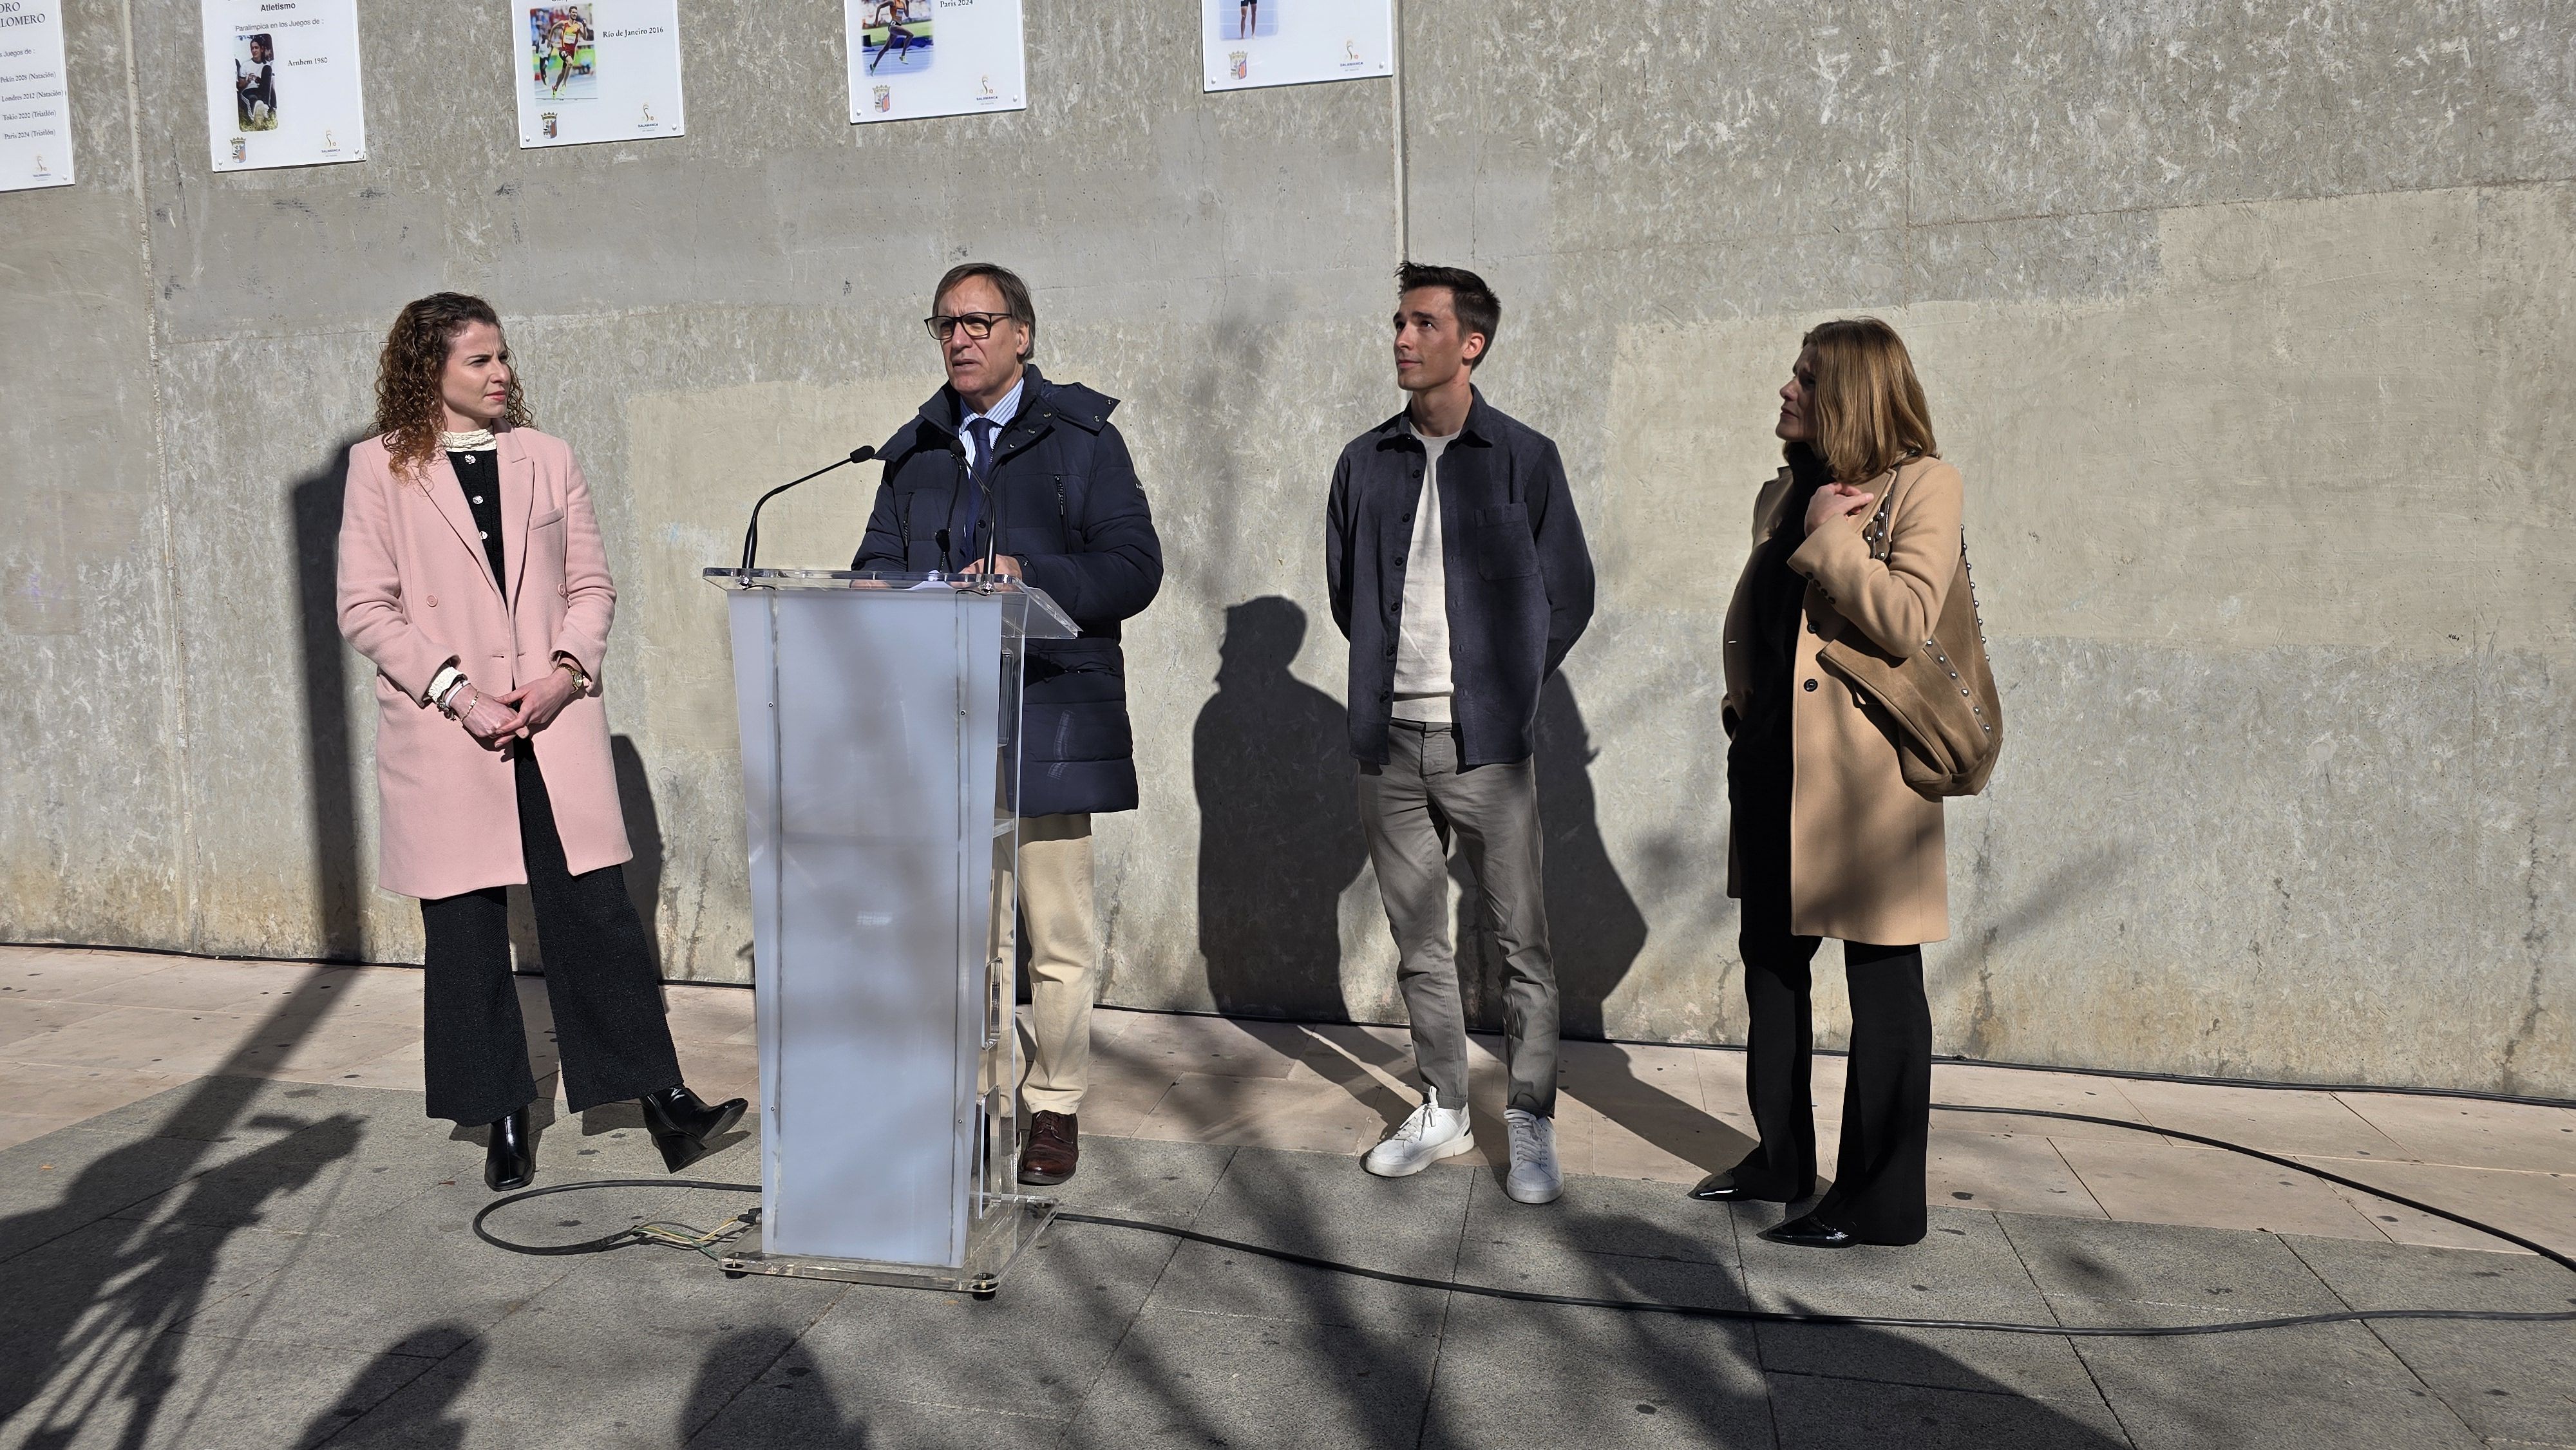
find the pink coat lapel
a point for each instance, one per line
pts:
(518, 496)
(448, 497)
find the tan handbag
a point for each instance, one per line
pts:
(1949, 720)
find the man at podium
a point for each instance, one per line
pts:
(1002, 463)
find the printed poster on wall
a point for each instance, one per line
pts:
(607, 70)
(916, 58)
(282, 84)
(1249, 43)
(35, 104)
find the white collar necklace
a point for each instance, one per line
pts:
(474, 442)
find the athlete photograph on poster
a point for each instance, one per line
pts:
(255, 81)
(897, 37)
(563, 51)
(1254, 17)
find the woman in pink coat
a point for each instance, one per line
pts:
(471, 573)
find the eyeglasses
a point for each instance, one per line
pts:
(978, 325)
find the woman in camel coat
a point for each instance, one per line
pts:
(1826, 838)
(472, 575)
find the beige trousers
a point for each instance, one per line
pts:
(1064, 957)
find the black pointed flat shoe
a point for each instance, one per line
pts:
(682, 1126)
(1737, 1186)
(510, 1153)
(1811, 1232)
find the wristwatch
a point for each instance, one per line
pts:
(580, 677)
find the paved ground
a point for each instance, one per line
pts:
(82, 1032)
(250, 1237)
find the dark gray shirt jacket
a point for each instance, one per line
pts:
(1072, 512)
(1520, 577)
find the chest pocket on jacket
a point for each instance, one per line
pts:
(1504, 548)
(1044, 524)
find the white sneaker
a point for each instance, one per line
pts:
(1431, 1134)
(1535, 1177)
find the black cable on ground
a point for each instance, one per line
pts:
(642, 1234)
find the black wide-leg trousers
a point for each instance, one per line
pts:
(601, 982)
(1887, 1091)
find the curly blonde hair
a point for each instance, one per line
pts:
(408, 374)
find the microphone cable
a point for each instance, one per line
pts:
(680, 1235)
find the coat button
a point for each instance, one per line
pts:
(1811, 687)
(433, 601)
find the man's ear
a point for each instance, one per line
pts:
(1472, 348)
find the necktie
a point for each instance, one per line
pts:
(976, 476)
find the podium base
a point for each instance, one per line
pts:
(994, 1242)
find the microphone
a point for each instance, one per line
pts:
(751, 534)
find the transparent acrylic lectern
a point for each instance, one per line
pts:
(880, 769)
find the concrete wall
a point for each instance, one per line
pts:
(2250, 325)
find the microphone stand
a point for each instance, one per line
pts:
(751, 534)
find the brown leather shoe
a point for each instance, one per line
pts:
(1053, 1148)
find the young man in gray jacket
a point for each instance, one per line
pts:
(1459, 574)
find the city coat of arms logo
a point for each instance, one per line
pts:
(240, 151)
(1238, 64)
(884, 97)
(550, 124)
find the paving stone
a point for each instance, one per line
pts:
(1523, 1374)
(1963, 1269)
(2229, 1272)
(1196, 1379)
(67, 1179)
(1605, 1215)
(2326, 1384)
(2039, 1366)
(372, 1289)
(805, 1402)
(189, 1393)
(2508, 1381)
(1138, 1178)
(1033, 1349)
(103, 1292)
(2400, 1276)
(613, 1353)
(1547, 1268)
(302, 1182)
(1813, 1411)
(1327, 1207)
(249, 1110)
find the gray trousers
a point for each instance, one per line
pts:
(1410, 807)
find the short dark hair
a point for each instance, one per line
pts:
(1478, 309)
(1015, 295)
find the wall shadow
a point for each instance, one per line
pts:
(330, 746)
(644, 833)
(1279, 835)
(1595, 928)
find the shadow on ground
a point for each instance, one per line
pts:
(219, 1272)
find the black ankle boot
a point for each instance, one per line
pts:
(510, 1155)
(682, 1125)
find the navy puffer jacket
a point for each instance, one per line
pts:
(1073, 513)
